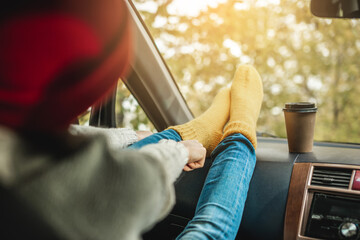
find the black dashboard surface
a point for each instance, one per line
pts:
(334, 153)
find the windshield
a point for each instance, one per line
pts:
(300, 57)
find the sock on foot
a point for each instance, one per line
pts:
(208, 127)
(246, 98)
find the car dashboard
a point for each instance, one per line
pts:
(291, 196)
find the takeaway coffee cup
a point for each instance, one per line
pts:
(300, 124)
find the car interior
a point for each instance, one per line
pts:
(301, 196)
(292, 195)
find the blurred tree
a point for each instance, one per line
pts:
(128, 112)
(300, 58)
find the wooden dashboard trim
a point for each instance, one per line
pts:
(299, 180)
(300, 196)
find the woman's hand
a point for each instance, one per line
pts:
(197, 154)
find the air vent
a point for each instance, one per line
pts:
(331, 177)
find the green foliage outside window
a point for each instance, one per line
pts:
(300, 58)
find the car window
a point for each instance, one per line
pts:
(84, 118)
(300, 57)
(128, 112)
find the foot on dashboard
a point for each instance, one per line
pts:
(208, 127)
(246, 98)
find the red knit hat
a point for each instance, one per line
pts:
(57, 58)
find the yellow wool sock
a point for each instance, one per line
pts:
(246, 98)
(208, 127)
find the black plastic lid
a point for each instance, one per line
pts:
(302, 107)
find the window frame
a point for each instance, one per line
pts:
(165, 105)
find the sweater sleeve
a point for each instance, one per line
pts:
(164, 152)
(99, 193)
(116, 137)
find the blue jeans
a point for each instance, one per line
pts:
(156, 137)
(221, 203)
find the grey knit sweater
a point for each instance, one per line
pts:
(96, 190)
